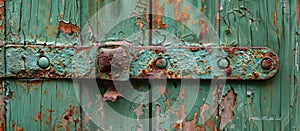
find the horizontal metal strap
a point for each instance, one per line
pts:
(116, 62)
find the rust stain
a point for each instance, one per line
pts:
(178, 125)
(38, 116)
(168, 104)
(217, 19)
(169, 2)
(204, 29)
(180, 114)
(227, 113)
(275, 18)
(86, 117)
(158, 11)
(49, 120)
(68, 28)
(67, 118)
(191, 125)
(31, 36)
(17, 128)
(2, 15)
(140, 23)
(212, 124)
(28, 87)
(111, 94)
(203, 108)
(180, 15)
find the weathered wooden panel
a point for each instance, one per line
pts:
(42, 105)
(115, 20)
(271, 24)
(51, 22)
(114, 107)
(236, 105)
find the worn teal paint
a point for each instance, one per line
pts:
(46, 104)
(41, 22)
(265, 105)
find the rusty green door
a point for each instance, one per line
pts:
(149, 104)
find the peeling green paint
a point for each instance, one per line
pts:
(265, 105)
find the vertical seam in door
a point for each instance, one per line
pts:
(150, 43)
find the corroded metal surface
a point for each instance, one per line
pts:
(116, 62)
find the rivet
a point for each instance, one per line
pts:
(161, 63)
(43, 62)
(267, 63)
(223, 63)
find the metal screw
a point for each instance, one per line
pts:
(43, 62)
(161, 63)
(223, 63)
(267, 63)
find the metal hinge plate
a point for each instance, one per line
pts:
(116, 62)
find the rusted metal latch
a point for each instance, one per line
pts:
(119, 62)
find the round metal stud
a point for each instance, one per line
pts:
(223, 63)
(43, 62)
(161, 63)
(267, 63)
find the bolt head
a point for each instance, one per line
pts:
(223, 63)
(43, 62)
(161, 63)
(267, 63)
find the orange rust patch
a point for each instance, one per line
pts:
(111, 94)
(140, 23)
(178, 125)
(203, 108)
(275, 17)
(68, 27)
(168, 104)
(158, 11)
(67, 117)
(169, 2)
(212, 124)
(38, 116)
(204, 29)
(2, 12)
(1, 2)
(28, 87)
(180, 15)
(86, 117)
(17, 128)
(31, 36)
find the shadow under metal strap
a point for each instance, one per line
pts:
(123, 62)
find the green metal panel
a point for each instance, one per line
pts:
(176, 104)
